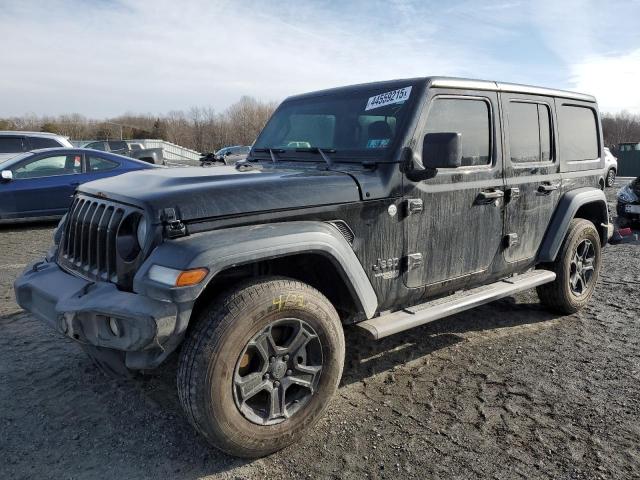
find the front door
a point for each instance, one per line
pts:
(532, 173)
(44, 185)
(455, 218)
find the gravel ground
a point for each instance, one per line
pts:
(504, 391)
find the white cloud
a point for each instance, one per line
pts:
(155, 56)
(614, 80)
(107, 57)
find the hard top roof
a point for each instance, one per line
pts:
(457, 83)
(31, 134)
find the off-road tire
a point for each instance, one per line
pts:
(558, 295)
(212, 350)
(610, 178)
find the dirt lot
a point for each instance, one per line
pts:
(504, 391)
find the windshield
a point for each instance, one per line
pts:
(362, 122)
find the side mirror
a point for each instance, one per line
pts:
(6, 175)
(227, 153)
(442, 150)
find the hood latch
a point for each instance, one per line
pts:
(173, 225)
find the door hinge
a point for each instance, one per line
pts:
(414, 260)
(511, 239)
(414, 205)
(173, 225)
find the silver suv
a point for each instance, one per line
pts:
(610, 167)
(14, 142)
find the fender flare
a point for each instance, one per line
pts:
(219, 250)
(566, 211)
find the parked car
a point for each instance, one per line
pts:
(39, 185)
(14, 142)
(135, 150)
(226, 156)
(628, 206)
(610, 167)
(415, 199)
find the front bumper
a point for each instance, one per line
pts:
(82, 309)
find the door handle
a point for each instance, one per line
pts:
(548, 187)
(488, 196)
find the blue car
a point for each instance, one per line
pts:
(38, 185)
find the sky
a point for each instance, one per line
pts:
(103, 58)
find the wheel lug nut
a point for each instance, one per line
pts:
(276, 383)
(267, 376)
(288, 372)
(272, 359)
(286, 358)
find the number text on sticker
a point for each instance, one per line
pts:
(395, 96)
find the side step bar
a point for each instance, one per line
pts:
(390, 323)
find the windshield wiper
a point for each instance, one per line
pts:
(322, 151)
(270, 151)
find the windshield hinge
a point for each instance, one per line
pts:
(173, 225)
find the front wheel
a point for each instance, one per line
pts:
(577, 267)
(611, 177)
(260, 366)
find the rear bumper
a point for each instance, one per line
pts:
(83, 310)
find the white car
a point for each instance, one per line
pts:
(14, 142)
(610, 167)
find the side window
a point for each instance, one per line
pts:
(39, 142)
(100, 164)
(49, 166)
(96, 146)
(470, 118)
(11, 145)
(118, 145)
(529, 132)
(578, 133)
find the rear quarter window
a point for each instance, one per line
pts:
(578, 133)
(39, 142)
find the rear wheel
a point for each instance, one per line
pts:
(611, 177)
(260, 366)
(577, 267)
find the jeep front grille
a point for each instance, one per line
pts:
(88, 244)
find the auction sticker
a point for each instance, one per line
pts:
(388, 98)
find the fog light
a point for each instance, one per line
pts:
(114, 326)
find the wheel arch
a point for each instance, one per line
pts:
(588, 203)
(310, 251)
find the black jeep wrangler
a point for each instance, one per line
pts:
(384, 206)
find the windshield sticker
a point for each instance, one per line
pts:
(395, 96)
(378, 143)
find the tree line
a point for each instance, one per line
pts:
(201, 129)
(205, 130)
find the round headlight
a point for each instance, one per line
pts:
(127, 244)
(142, 231)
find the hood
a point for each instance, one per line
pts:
(200, 192)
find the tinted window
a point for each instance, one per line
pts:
(468, 117)
(529, 132)
(96, 146)
(578, 133)
(39, 142)
(118, 146)
(98, 163)
(11, 145)
(49, 166)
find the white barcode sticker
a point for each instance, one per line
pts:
(388, 98)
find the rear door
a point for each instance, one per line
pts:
(532, 173)
(455, 217)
